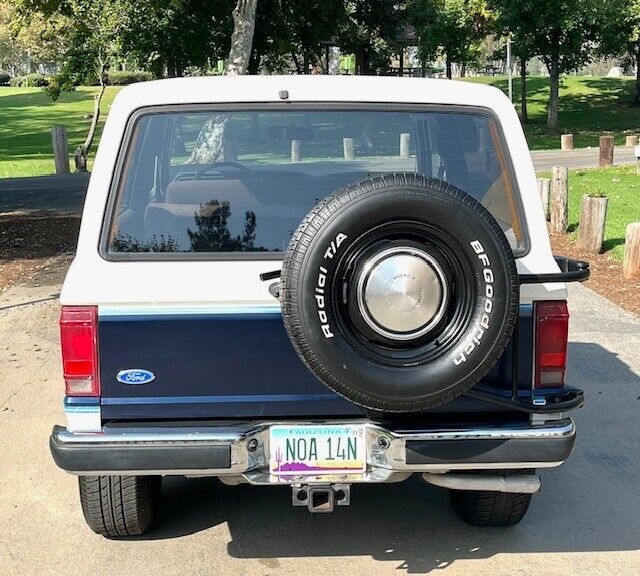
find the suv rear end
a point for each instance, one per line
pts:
(175, 355)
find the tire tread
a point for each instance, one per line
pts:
(118, 506)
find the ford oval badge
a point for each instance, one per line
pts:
(135, 376)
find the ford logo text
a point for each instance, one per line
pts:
(135, 376)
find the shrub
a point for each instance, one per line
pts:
(122, 77)
(29, 81)
(4, 79)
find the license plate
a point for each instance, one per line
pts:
(317, 449)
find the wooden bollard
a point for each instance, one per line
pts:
(593, 217)
(559, 200)
(631, 267)
(296, 150)
(229, 152)
(566, 142)
(347, 146)
(606, 150)
(544, 188)
(631, 141)
(60, 143)
(404, 144)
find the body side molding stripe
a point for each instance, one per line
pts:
(120, 312)
(218, 399)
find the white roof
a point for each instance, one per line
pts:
(310, 88)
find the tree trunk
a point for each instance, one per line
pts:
(171, 67)
(637, 96)
(208, 147)
(524, 115)
(82, 152)
(448, 67)
(362, 63)
(296, 62)
(305, 61)
(244, 21)
(554, 85)
(463, 69)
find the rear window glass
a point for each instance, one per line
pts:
(225, 182)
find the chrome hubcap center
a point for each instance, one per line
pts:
(402, 293)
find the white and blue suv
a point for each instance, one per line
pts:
(316, 282)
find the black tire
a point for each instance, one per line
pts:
(489, 508)
(403, 209)
(117, 506)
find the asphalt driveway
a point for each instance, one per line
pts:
(586, 520)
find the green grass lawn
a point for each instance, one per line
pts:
(26, 118)
(588, 106)
(622, 186)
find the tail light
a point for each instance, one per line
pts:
(79, 340)
(552, 329)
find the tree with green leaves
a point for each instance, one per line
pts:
(173, 35)
(452, 29)
(562, 34)
(370, 30)
(92, 42)
(620, 36)
(27, 43)
(306, 24)
(512, 23)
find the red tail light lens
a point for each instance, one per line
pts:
(552, 332)
(79, 340)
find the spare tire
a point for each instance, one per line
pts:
(399, 292)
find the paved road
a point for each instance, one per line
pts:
(65, 194)
(579, 158)
(586, 520)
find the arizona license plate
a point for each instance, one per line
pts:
(317, 449)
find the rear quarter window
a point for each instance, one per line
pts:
(236, 183)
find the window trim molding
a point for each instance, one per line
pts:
(257, 256)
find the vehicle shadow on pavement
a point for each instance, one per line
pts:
(589, 504)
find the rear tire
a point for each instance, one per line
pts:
(117, 506)
(490, 508)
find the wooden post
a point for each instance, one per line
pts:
(559, 200)
(60, 143)
(631, 267)
(296, 150)
(593, 218)
(544, 188)
(631, 141)
(229, 152)
(566, 142)
(347, 146)
(404, 145)
(606, 150)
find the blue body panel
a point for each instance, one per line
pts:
(238, 365)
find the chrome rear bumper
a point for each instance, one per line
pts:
(239, 452)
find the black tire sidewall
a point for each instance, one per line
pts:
(481, 248)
